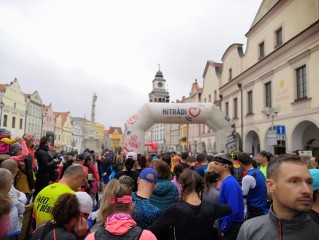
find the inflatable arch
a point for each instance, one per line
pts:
(182, 113)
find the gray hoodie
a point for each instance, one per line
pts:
(270, 227)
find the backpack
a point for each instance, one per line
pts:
(133, 234)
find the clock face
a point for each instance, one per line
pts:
(160, 84)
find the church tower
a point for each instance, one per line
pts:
(159, 92)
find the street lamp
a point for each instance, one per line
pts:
(271, 112)
(241, 115)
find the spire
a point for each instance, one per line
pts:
(159, 74)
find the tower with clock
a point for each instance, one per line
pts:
(159, 92)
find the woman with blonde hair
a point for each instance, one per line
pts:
(115, 215)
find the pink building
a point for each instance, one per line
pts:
(48, 122)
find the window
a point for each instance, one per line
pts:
(268, 94)
(301, 82)
(261, 50)
(235, 108)
(13, 122)
(215, 96)
(230, 74)
(209, 98)
(14, 105)
(21, 123)
(227, 108)
(278, 35)
(250, 102)
(5, 120)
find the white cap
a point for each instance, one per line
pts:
(131, 155)
(85, 202)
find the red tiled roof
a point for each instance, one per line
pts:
(45, 108)
(112, 130)
(64, 116)
(2, 87)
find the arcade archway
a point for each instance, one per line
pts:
(201, 113)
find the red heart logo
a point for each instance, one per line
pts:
(194, 111)
(133, 119)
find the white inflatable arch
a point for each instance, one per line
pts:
(182, 113)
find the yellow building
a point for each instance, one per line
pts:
(66, 140)
(13, 108)
(99, 129)
(115, 135)
(58, 129)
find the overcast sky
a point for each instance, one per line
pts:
(69, 49)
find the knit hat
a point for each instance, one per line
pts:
(149, 175)
(132, 155)
(14, 148)
(315, 175)
(4, 131)
(85, 202)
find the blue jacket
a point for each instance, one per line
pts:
(230, 193)
(164, 194)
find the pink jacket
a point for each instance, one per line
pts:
(20, 158)
(120, 227)
(4, 223)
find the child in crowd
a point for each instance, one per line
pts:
(5, 141)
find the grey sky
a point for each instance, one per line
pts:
(68, 49)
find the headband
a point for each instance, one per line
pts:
(124, 199)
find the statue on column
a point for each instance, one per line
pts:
(93, 109)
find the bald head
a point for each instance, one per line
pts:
(5, 179)
(75, 177)
(10, 165)
(73, 170)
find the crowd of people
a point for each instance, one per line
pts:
(156, 196)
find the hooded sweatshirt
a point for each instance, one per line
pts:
(164, 194)
(271, 227)
(119, 224)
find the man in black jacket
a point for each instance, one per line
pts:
(46, 165)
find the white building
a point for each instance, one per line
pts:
(34, 114)
(77, 134)
(276, 76)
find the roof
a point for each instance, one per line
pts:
(265, 7)
(45, 108)
(26, 96)
(2, 87)
(63, 115)
(115, 130)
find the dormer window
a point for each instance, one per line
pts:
(230, 74)
(261, 50)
